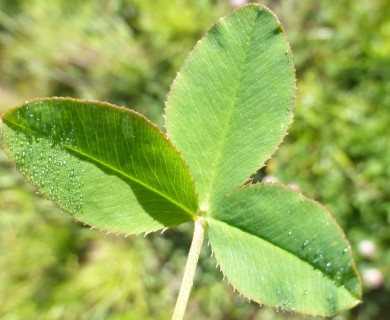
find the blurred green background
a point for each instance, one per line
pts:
(128, 52)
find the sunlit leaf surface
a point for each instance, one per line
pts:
(281, 249)
(107, 166)
(232, 101)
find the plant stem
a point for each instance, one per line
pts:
(189, 271)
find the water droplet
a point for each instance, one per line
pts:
(287, 54)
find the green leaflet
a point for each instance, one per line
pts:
(107, 166)
(281, 249)
(232, 101)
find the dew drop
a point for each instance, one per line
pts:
(305, 243)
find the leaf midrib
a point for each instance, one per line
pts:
(288, 251)
(222, 144)
(120, 173)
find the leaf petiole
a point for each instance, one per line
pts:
(189, 271)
